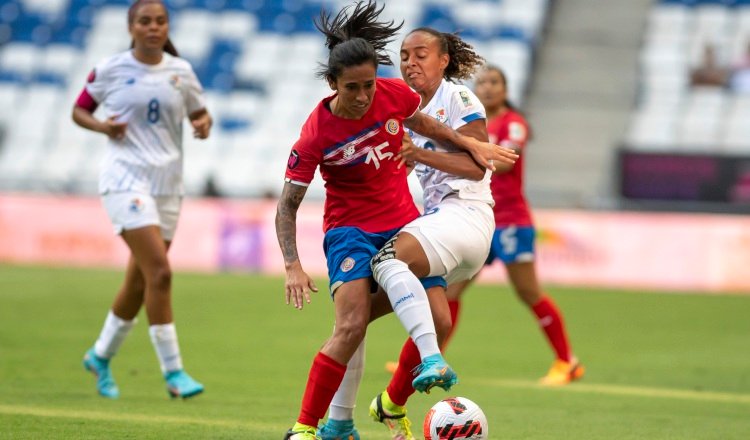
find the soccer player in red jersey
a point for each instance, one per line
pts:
(513, 240)
(354, 137)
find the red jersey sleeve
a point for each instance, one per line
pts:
(407, 99)
(514, 132)
(304, 159)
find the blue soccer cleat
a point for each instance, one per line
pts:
(434, 372)
(338, 430)
(105, 383)
(180, 384)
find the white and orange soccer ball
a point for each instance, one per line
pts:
(455, 418)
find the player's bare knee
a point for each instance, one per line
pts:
(350, 333)
(161, 278)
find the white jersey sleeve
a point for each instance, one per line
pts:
(193, 91)
(98, 82)
(454, 105)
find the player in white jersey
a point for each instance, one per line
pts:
(146, 93)
(451, 239)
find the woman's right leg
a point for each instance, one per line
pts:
(352, 312)
(117, 325)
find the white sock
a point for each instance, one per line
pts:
(409, 302)
(112, 335)
(164, 338)
(344, 401)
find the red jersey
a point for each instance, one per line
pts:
(511, 130)
(363, 186)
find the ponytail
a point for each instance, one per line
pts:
(354, 38)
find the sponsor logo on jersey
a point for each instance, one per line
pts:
(136, 206)
(465, 98)
(349, 152)
(293, 160)
(130, 81)
(92, 76)
(347, 264)
(441, 116)
(392, 126)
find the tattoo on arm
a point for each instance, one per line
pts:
(286, 220)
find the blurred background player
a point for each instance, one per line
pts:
(354, 136)
(513, 240)
(146, 92)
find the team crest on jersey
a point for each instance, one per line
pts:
(136, 206)
(392, 126)
(293, 160)
(441, 116)
(465, 97)
(175, 81)
(347, 264)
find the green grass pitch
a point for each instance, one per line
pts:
(660, 366)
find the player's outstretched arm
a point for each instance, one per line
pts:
(298, 284)
(483, 152)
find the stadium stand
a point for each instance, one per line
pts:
(671, 113)
(256, 59)
(688, 140)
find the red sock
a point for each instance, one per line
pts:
(399, 389)
(455, 307)
(322, 382)
(551, 322)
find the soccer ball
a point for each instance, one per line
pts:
(455, 418)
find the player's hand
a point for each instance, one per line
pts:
(298, 286)
(485, 154)
(201, 125)
(113, 129)
(408, 153)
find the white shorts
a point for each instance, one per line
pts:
(130, 210)
(456, 236)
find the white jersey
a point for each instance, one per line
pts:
(454, 105)
(154, 100)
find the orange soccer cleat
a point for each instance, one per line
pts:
(562, 373)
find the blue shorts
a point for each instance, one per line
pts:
(349, 251)
(512, 244)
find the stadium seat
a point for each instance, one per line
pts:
(241, 50)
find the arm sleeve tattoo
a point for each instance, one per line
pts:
(286, 220)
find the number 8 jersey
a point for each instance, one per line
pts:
(153, 100)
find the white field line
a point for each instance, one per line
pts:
(578, 387)
(621, 390)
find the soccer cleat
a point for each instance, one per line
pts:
(393, 416)
(434, 372)
(338, 430)
(180, 384)
(562, 373)
(105, 383)
(391, 367)
(301, 432)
